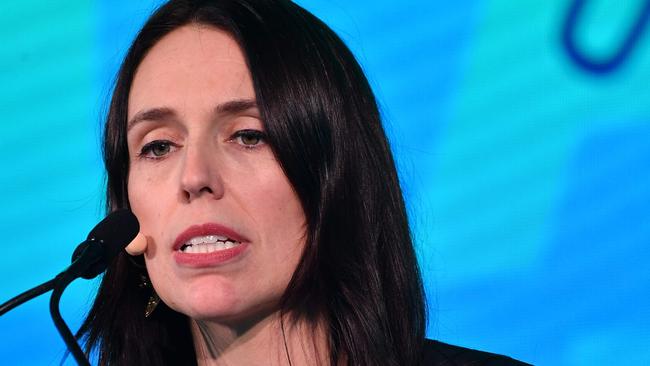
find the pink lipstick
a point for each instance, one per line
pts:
(208, 245)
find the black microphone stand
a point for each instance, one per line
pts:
(90, 259)
(27, 295)
(58, 284)
(62, 281)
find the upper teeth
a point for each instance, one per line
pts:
(207, 244)
(206, 239)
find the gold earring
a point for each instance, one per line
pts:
(154, 299)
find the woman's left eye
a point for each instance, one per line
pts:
(248, 138)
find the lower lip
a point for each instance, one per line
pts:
(219, 257)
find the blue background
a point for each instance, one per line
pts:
(526, 176)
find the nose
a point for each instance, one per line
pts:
(200, 175)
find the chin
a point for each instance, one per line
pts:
(227, 311)
(209, 303)
(220, 300)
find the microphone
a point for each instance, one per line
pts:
(104, 242)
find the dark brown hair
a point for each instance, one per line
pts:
(358, 275)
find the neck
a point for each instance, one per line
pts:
(269, 341)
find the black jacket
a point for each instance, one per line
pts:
(442, 354)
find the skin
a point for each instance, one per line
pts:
(191, 165)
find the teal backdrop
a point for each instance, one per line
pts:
(525, 165)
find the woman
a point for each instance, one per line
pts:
(246, 139)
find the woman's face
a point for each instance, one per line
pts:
(225, 228)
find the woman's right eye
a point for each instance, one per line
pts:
(156, 149)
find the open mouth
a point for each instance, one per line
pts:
(208, 244)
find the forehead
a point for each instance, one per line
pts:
(193, 61)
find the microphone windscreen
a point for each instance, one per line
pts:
(115, 231)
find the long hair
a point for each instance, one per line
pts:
(358, 275)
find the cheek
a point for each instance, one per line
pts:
(160, 277)
(144, 192)
(147, 204)
(285, 221)
(279, 209)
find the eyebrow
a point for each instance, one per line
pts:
(236, 106)
(159, 114)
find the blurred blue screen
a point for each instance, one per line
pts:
(526, 172)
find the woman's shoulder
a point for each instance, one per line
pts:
(442, 354)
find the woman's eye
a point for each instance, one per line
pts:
(249, 138)
(156, 149)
